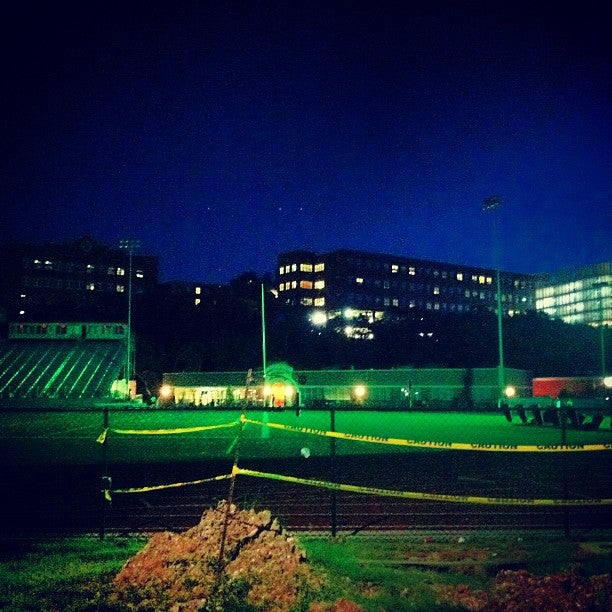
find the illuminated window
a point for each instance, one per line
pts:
(411, 271)
(394, 268)
(281, 270)
(386, 302)
(198, 290)
(319, 267)
(305, 284)
(459, 276)
(306, 301)
(395, 302)
(359, 280)
(320, 301)
(139, 274)
(305, 267)
(489, 280)
(436, 290)
(475, 278)
(120, 272)
(48, 265)
(294, 284)
(481, 280)
(320, 284)
(119, 288)
(294, 267)
(197, 301)
(386, 285)
(91, 287)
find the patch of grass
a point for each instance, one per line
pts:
(380, 573)
(71, 573)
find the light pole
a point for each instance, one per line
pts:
(129, 244)
(492, 203)
(602, 323)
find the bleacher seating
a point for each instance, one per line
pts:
(60, 369)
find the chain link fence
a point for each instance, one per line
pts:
(333, 469)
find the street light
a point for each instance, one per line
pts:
(129, 244)
(492, 203)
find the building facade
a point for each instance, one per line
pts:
(580, 295)
(77, 280)
(377, 284)
(392, 389)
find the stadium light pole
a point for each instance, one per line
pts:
(129, 244)
(491, 204)
(602, 323)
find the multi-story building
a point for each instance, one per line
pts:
(72, 281)
(580, 295)
(376, 285)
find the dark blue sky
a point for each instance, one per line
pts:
(223, 133)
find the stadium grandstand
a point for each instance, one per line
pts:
(63, 361)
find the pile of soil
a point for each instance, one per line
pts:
(261, 565)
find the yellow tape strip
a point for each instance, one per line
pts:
(469, 499)
(161, 432)
(443, 445)
(168, 486)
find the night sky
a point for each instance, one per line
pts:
(222, 133)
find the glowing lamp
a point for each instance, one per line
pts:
(607, 381)
(318, 317)
(166, 391)
(359, 391)
(288, 391)
(510, 391)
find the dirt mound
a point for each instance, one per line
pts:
(262, 566)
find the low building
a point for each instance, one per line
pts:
(394, 389)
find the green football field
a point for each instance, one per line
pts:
(147, 435)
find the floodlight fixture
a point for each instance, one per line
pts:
(492, 202)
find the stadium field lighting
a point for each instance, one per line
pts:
(129, 245)
(492, 203)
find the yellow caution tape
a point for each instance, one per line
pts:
(469, 499)
(521, 448)
(161, 432)
(167, 486)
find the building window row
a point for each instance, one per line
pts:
(71, 267)
(59, 284)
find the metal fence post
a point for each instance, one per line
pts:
(332, 465)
